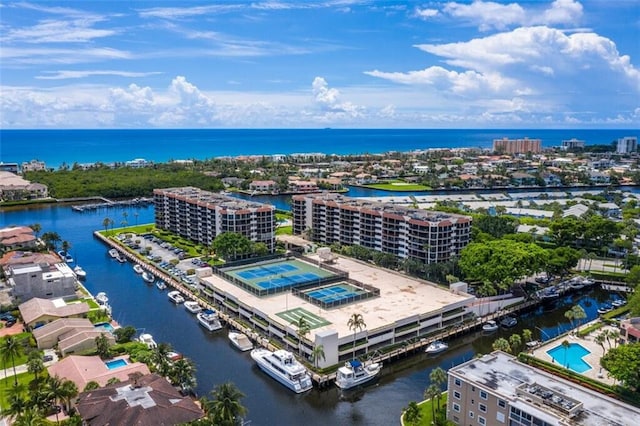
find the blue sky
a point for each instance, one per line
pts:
(314, 64)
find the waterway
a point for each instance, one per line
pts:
(269, 403)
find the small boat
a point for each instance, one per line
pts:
(436, 346)
(66, 257)
(209, 320)
(148, 277)
(355, 373)
(508, 321)
(618, 302)
(147, 339)
(603, 309)
(175, 297)
(161, 285)
(138, 268)
(173, 356)
(490, 325)
(80, 273)
(549, 293)
(121, 258)
(283, 367)
(240, 341)
(192, 306)
(114, 253)
(102, 298)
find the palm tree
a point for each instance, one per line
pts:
(515, 341)
(69, 391)
(105, 222)
(355, 323)
(10, 349)
(527, 335)
(15, 398)
(55, 391)
(570, 315)
(565, 345)
(225, 407)
(430, 393)
(36, 229)
(317, 354)
(412, 413)
(303, 330)
(35, 363)
(600, 339)
(438, 377)
(502, 344)
(183, 373)
(66, 246)
(30, 417)
(160, 358)
(578, 314)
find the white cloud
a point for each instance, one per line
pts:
(12, 56)
(561, 12)
(329, 100)
(70, 74)
(425, 14)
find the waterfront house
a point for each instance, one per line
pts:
(17, 238)
(46, 281)
(38, 312)
(498, 389)
(263, 186)
(70, 335)
(145, 401)
(84, 369)
(16, 188)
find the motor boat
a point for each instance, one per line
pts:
(508, 321)
(209, 320)
(490, 325)
(549, 293)
(138, 268)
(436, 347)
(114, 253)
(65, 256)
(147, 339)
(618, 302)
(603, 309)
(282, 366)
(80, 273)
(161, 285)
(148, 277)
(240, 341)
(102, 298)
(121, 258)
(354, 373)
(576, 283)
(192, 306)
(175, 297)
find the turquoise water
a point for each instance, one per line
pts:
(116, 363)
(106, 326)
(572, 358)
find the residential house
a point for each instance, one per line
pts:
(15, 188)
(630, 330)
(17, 238)
(46, 281)
(263, 186)
(70, 335)
(38, 312)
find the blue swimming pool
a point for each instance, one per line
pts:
(571, 357)
(104, 326)
(116, 363)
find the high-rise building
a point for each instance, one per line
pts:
(497, 389)
(627, 145)
(572, 144)
(423, 235)
(517, 146)
(202, 215)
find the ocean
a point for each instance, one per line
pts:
(58, 147)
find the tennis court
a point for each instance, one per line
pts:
(341, 293)
(280, 275)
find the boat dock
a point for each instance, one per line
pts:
(105, 202)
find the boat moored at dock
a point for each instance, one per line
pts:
(175, 297)
(147, 339)
(138, 268)
(148, 277)
(354, 373)
(240, 341)
(436, 347)
(283, 367)
(161, 285)
(102, 298)
(192, 306)
(490, 326)
(80, 273)
(114, 253)
(209, 320)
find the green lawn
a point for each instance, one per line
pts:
(398, 186)
(24, 378)
(284, 230)
(425, 410)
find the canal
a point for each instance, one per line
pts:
(148, 310)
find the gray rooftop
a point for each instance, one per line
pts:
(503, 374)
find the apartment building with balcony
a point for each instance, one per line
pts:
(202, 215)
(517, 146)
(426, 236)
(497, 389)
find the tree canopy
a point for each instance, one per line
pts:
(231, 245)
(623, 363)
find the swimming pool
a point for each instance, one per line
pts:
(571, 357)
(105, 326)
(116, 363)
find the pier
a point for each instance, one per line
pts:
(104, 203)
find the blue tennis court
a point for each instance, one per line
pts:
(265, 271)
(286, 281)
(335, 293)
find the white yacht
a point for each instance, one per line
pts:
(148, 277)
(65, 256)
(240, 341)
(175, 297)
(138, 268)
(209, 320)
(147, 339)
(161, 285)
(282, 366)
(114, 253)
(436, 347)
(120, 258)
(355, 373)
(80, 273)
(102, 298)
(192, 306)
(490, 325)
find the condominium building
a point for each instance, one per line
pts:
(497, 389)
(627, 145)
(202, 215)
(426, 236)
(572, 143)
(517, 146)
